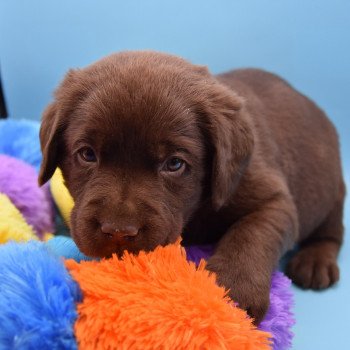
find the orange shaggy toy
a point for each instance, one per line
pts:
(158, 300)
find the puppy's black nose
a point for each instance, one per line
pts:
(118, 233)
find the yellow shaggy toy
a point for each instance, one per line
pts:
(61, 196)
(12, 224)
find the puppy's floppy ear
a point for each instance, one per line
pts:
(49, 138)
(54, 122)
(232, 138)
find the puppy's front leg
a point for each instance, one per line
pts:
(249, 252)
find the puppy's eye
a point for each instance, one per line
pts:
(87, 154)
(174, 164)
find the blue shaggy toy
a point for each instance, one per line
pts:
(37, 299)
(20, 139)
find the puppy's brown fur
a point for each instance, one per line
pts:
(262, 168)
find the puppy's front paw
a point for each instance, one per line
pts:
(249, 290)
(313, 268)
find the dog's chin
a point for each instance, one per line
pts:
(93, 251)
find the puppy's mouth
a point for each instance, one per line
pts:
(100, 245)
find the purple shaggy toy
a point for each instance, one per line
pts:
(279, 318)
(19, 181)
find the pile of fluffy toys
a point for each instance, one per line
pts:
(53, 297)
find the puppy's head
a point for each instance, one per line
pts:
(142, 139)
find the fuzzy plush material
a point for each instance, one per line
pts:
(61, 195)
(20, 139)
(12, 224)
(197, 253)
(279, 318)
(131, 302)
(37, 299)
(158, 300)
(18, 181)
(63, 246)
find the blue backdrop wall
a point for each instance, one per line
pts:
(305, 41)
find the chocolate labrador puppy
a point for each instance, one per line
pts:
(153, 147)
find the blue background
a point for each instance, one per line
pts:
(305, 41)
